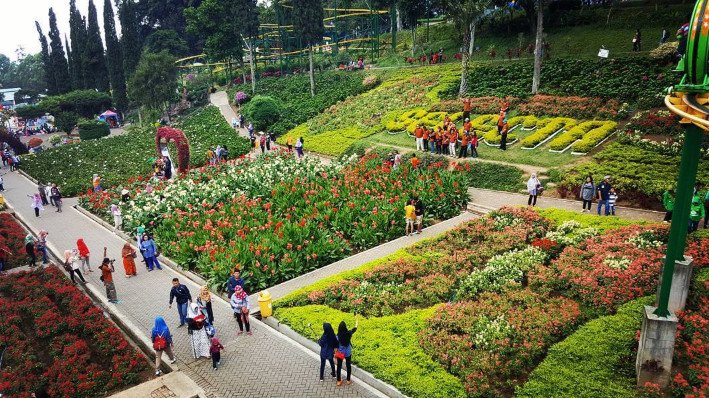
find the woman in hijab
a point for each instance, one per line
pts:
(71, 263)
(328, 343)
(117, 216)
(129, 256)
(29, 249)
(162, 342)
(344, 349)
(533, 186)
(84, 254)
(240, 304)
(198, 334)
(36, 203)
(205, 301)
(42, 245)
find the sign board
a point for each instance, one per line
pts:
(603, 53)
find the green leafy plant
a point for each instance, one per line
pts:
(92, 129)
(66, 121)
(263, 111)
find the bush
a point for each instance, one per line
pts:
(85, 103)
(66, 121)
(588, 364)
(92, 129)
(263, 111)
(30, 111)
(601, 223)
(499, 177)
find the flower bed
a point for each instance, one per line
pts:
(278, 218)
(60, 344)
(118, 158)
(12, 241)
(504, 309)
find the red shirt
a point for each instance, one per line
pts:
(474, 140)
(418, 132)
(467, 106)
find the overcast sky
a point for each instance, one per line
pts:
(17, 22)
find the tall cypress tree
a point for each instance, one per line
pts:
(114, 58)
(77, 33)
(131, 43)
(57, 60)
(48, 77)
(93, 55)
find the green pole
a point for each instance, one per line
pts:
(680, 215)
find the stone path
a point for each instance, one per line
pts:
(486, 199)
(263, 365)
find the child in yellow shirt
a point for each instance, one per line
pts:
(410, 217)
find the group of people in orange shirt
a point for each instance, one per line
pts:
(444, 139)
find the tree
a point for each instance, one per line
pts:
(77, 34)
(131, 44)
(114, 58)
(46, 62)
(538, 47)
(308, 25)
(411, 11)
(248, 19)
(166, 40)
(28, 73)
(154, 81)
(466, 14)
(5, 67)
(59, 69)
(93, 54)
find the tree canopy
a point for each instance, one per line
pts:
(154, 81)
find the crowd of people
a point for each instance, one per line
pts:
(698, 210)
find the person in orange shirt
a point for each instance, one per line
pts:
(503, 134)
(467, 126)
(505, 106)
(467, 107)
(439, 140)
(415, 161)
(418, 133)
(464, 145)
(453, 140)
(425, 139)
(501, 120)
(445, 142)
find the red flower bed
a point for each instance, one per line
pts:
(576, 107)
(493, 342)
(58, 343)
(12, 237)
(605, 271)
(479, 105)
(692, 352)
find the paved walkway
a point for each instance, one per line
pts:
(488, 199)
(263, 365)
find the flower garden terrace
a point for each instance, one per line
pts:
(276, 217)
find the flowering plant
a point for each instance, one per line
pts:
(240, 97)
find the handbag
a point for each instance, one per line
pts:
(211, 331)
(67, 266)
(339, 354)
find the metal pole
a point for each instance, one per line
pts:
(392, 14)
(680, 215)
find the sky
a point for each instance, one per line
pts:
(17, 22)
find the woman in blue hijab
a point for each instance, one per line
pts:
(162, 342)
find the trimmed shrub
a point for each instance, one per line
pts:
(30, 111)
(263, 111)
(492, 176)
(601, 223)
(66, 121)
(92, 129)
(589, 363)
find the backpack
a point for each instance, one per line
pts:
(160, 342)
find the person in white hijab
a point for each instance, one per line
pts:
(198, 334)
(533, 188)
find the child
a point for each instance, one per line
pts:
(612, 197)
(410, 217)
(215, 350)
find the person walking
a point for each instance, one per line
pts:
(612, 198)
(588, 190)
(328, 344)
(107, 270)
(30, 250)
(668, 202)
(84, 255)
(637, 42)
(263, 140)
(48, 193)
(181, 294)
(533, 188)
(42, 245)
(199, 341)
(696, 213)
(36, 204)
(289, 143)
(410, 212)
(205, 301)
(344, 351)
(604, 190)
(234, 280)
(42, 193)
(71, 264)
(117, 217)
(150, 252)
(129, 255)
(299, 147)
(215, 350)
(162, 342)
(57, 197)
(240, 304)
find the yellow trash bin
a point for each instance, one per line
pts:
(265, 304)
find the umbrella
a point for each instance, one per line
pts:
(109, 114)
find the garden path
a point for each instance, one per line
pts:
(266, 364)
(485, 199)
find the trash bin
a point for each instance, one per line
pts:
(265, 304)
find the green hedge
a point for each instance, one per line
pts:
(592, 362)
(499, 177)
(387, 347)
(601, 223)
(263, 111)
(92, 129)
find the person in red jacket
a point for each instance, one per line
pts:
(84, 255)
(474, 145)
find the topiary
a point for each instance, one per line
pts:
(66, 121)
(263, 111)
(92, 129)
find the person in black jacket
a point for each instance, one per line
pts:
(328, 343)
(181, 294)
(344, 349)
